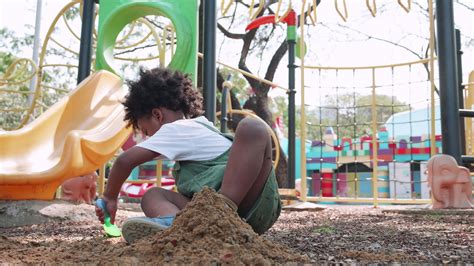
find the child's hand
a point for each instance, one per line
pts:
(111, 205)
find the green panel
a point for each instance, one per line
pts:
(291, 33)
(362, 152)
(348, 153)
(114, 15)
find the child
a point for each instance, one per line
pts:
(164, 105)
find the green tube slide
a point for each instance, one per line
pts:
(114, 15)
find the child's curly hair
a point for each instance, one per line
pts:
(161, 87)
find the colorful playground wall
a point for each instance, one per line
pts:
(343, 167)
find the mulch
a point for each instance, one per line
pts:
(336, 234)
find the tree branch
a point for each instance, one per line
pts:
(136, 49)
(243, 56)
(229, 34)
(276, 58)
(380, 39)
(464, 5)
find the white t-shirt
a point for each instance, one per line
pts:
(187, 140)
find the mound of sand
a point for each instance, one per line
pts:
(206, 231)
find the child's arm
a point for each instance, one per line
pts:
(123, 166)
(119, 173)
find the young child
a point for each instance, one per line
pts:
(163, 105)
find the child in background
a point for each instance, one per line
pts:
(163, 105)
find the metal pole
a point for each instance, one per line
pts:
(224, 110)
(304, 186)
(291, 39)
(461, 89)
(36, 44)
(226, 87)
(449, 100)
(85, 50)
(209, 59)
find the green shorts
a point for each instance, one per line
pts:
(193, 176)
(267, 208)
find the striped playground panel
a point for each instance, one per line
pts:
(346, 185)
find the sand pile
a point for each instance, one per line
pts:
(207, 231)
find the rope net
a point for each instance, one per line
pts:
(368, 123)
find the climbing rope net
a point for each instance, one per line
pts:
(351, 110)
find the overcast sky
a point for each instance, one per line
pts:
(329, 44)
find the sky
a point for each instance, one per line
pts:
(332, 42)
(10, 10)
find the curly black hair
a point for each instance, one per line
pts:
(161, 87)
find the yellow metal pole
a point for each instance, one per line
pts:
(248, 74)
(303, 112)
(374, 142)
(351, 68)
(372, 8)
(277, 12)
(470, 102)
(225, 7)
(279, 19)
(101, 181)
(170, 28)
(162, 49)
(407, 6)
(38, 94)
(344, 15)
(432, 82)
(253, 14)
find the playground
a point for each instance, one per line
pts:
(340, 234)
(372, 143)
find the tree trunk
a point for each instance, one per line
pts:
(259, 102)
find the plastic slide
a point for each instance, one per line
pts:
(74, 137)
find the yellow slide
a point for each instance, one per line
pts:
(74, 137)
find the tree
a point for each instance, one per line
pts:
(12, 101)
(255, 42)
(270, 40)
(6, 59)
(350, 115)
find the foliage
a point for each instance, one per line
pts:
(6, 59)
(240, 85)
(10, 45)
(14, 104)
(13, 43)
(280, 109)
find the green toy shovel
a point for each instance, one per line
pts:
(110, 229)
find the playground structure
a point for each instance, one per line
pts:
(451, 184)
(62, 144)
(342, 167)
(324, 161)
(380, 151)
(79, 148)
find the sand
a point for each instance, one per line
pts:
(206, 231)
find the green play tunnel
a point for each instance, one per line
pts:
(114, 15)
